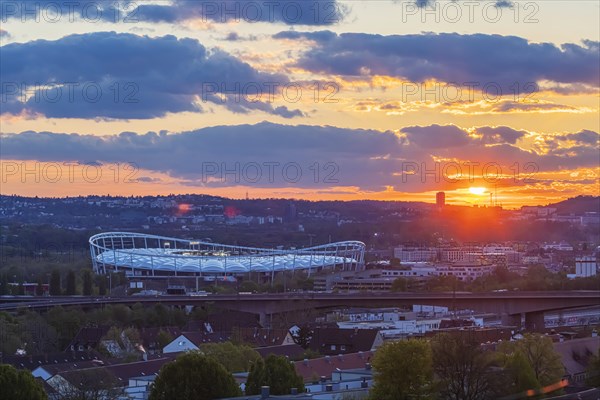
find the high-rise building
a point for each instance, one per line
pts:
(291, 213)
(585, 266)
(440, 199)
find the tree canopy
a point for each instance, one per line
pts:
(593, 370)
(71, 283)
(277, 372)
(193, 376)
(55, 289)
(87, 281)
(521, 374)
(235, 358)
(403, 371)
(399, 285)
(533, 355)
(19, 384)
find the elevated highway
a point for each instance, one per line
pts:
(510, 304)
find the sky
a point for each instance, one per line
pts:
(491, 102)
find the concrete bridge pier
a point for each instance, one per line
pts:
(512, 320)
(264, 319)
(534, 321)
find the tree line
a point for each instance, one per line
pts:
(537, 278)
(453, 366)
(450, 366)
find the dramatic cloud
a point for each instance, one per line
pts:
(111, 75)
(504, 4)
(54, 11)
(499, 134)
(465, 107)
(432, 3)
(584, 137)
(290, 12)
(352, 154)
(498, 145)
(235, 37)
(368, 159)
(539, 106)
(436, 136)
(424, 3)
(512, 67)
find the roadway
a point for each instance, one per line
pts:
(511, 302)
(589, 394)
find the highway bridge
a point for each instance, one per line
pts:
(510, 304)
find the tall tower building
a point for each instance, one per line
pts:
(440, 199)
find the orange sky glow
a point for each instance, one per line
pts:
(356, 106)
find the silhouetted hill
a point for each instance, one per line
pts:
(578, 205)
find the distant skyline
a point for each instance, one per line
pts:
(185, 207)
(331, 100)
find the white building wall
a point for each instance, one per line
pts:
(585, 267)
(180, 344)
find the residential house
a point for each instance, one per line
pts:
(88, 338)
(334, 341)
(575, 355)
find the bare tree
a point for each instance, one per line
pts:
(89, 384)
(465, 371)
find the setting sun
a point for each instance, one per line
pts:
(477, 190)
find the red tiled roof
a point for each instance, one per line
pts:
(261, 337)
(227, 320)
(32, 362)
(293, 351)
(140, 368)
(54, 369)
(352, 340)
(149, 336)
(89, 336)
(576, 353)
(200, 338)
(325, 366)
(122, 372)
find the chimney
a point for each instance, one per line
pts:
(328, 359)
(305, 361)
(341, 357)
(323, 379)
(265, 392)
(368, 366)
(294, 391)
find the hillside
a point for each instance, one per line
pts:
(578, 205)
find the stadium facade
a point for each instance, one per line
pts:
(144, 255)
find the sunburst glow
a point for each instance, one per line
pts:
(477, 190)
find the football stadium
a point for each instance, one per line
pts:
(145, 255)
